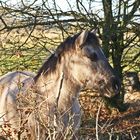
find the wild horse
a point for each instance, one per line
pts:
(52, 94)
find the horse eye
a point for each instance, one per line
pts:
(93, 57)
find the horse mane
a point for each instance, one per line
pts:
(67, 45)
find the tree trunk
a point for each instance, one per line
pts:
(108, 20)
(112, 38)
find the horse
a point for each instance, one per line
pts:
(52, 94)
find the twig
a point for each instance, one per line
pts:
(97, 118)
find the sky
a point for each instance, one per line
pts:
(63, 4)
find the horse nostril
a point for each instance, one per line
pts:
(116, 87)
(115, 84)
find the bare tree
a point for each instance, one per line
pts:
(31, 23)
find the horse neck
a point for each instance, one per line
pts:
(58, 86)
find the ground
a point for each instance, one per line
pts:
(103, 123)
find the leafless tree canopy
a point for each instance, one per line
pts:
(31, 29)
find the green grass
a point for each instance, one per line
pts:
(23, 59)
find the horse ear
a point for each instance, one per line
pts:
(94, 31)
(81, 39)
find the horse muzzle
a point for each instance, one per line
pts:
(111, 88)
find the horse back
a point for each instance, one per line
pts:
(10, 86)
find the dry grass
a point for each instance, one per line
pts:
(98, 121)
(112, 125)
(34, 124)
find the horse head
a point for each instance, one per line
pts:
(91, 68)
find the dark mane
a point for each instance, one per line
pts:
(67, 45)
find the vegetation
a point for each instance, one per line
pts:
(30, 31)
